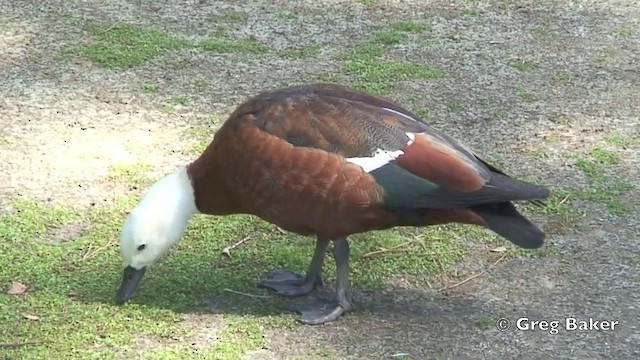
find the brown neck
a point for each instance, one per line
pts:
(210, 186)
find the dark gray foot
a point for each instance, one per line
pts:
(290, 284)
(319, 311)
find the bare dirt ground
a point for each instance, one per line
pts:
(65, 121)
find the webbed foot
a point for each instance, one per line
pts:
(289, 284)
(320, 311)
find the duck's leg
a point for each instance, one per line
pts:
(319, 311)
(290, 284)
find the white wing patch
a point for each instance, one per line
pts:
(412, 138)
(379, 159)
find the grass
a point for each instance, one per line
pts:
(200, 84)
(618, 140)
(486, 323)
(149, 88)
(470, 12)
(371, 72)
(124, 46)
(180, 100)
(526, 95)
(71, 286)
(562, 77)
(456, 106)
(72, 295)
(605, 188)
(201, 134)
(409, 26)
(234, 17)
(369, 67)
(231, 46)
(133, 174)
(624, 32)
(390, 37)
(288, 15)
(524, 66)
(594, 165)
(540, 31)
(301, 53)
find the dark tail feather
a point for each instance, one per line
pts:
(505, 220)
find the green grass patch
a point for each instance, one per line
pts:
(126, 46)
(562, 77)
(231, 46)
(409, 26)
(540, 31)
(201, 134)
(552, 139)
(609, 196)
(470, 12)
(604, 188)
(618, 140)
(524, 66)
(561, 212)
(234, 16)
(149, 88)
(301, 53)
(624, 32)
(596, 162)
(526, 95)
(368, 68)
(538, 154)
(423, 113)
(371, 72)
(486, 323)
(180, 100)
(456, 106)
(288, 15)
(390, 37)
(201, 84)
(397, 33)
(133, 174)
(29, 222)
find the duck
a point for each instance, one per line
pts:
(326, 161)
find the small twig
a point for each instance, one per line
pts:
(385, 250)
(25, 343)
(563, 200)
(280, 230)
(475, 275)
(246, 294)
(93, 252)
(227, 250)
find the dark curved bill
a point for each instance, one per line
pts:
(130, 280)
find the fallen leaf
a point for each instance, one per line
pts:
(499, 249)
(17, 288)
(31, 317)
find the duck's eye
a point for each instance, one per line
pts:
(141, 247)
